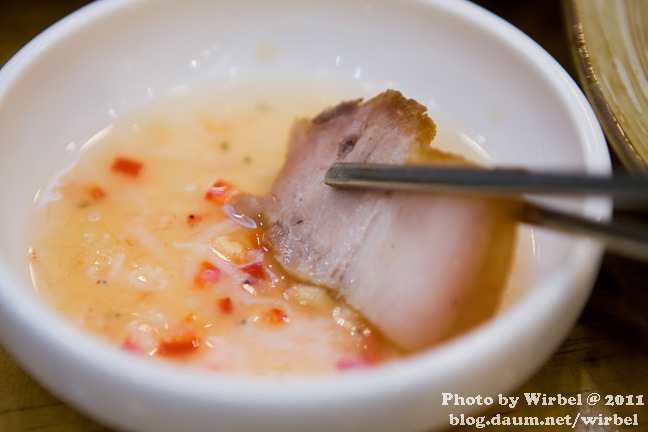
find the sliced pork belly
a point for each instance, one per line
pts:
(420, 267)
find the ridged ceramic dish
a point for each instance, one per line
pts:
(610, 45)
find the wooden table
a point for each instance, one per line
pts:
(606, 352)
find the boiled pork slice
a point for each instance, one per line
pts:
(420, 267)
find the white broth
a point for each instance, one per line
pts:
(133, 239)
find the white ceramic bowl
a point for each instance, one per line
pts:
(466, 64)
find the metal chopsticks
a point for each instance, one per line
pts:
(627, 237)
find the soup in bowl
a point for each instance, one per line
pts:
(124, 124)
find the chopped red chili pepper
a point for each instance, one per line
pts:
(346, 364)
(194, 219)
(95, 192)
(255, 270)
(274, 316)
(221, 192)
(181, 344)
(368, 356)
(225, 305)
(208, 273)
(126, 166)
(131, 346)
